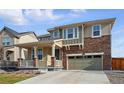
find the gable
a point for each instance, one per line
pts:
(28, 38)
(9, 31)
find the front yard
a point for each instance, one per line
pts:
(13, 77)
(115, 77)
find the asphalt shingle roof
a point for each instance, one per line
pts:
(17, 34)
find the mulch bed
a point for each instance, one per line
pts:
(115, 77)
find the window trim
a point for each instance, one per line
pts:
(58, 35)
(42, 53)
(72, 33)
(66, 31)
(37, 53)
(6, 43)
(99, 30)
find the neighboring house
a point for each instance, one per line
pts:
(9, 37)
(84, 45)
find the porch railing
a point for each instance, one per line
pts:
(27, 63)
(4, 63)
(58, 63)
(42, 63)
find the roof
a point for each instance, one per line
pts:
(17, 34)
(13, 32)
(45, 35)
(25, 32)
(86, 23)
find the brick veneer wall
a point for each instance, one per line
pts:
(93, 45)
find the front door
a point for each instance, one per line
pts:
(57, 54)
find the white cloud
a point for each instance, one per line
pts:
(13, 16)
(21, 17)
(39, 15)
(77, 12)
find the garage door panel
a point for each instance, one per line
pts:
(85, 63)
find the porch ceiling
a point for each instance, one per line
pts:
(38, 44)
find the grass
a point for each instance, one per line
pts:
(10, 78)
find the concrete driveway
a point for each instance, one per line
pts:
(69, 77)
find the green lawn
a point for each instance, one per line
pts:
(10, 78)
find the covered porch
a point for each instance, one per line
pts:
(42, 54)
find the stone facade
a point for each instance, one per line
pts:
(93, 45)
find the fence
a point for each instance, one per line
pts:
(118, 63)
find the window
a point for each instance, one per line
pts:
(64, 35)
(40, 54)
(6, 41)
(79, 57)
(96, 31)
(76, 34)
(70, 33)
(71, 57)
(56, 34)
(89, 56)
(32, 54)
(97, 56)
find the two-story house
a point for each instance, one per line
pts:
(78, 46)
(9, 37)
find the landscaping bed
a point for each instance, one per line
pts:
(16, 76)
(115, 77)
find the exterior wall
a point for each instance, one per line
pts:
(93, 45)
(13, 56)
(75, 41)
(3, 34)
(22, 39)
(47, 52)
(106, 30)
(0, 40)
(27, 38)
(46, 60)
(44, 38)
(70, 41)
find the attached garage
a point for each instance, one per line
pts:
(86, 62)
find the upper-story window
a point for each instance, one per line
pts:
(96, 31)
(6, 41)
(70, 33)
(56, 34)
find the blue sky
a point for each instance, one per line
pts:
(40, 20)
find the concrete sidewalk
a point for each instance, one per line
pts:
(69, 77)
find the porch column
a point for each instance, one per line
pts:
(4, 54)
(53, 56)
(35, 57)
(20, 57)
